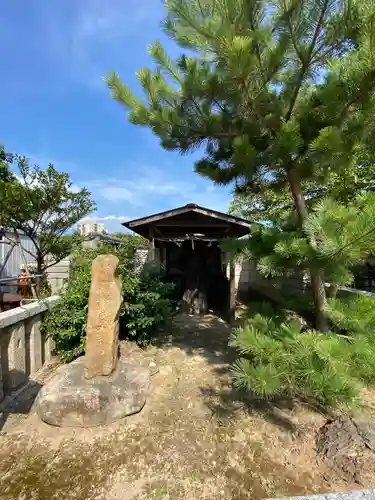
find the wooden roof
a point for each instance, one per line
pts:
(190, 220)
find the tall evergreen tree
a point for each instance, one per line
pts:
(276, 92)
(273, 205)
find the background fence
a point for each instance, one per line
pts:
(57, 274)
(16, 259)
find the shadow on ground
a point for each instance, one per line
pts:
(207, 336)
(225, 404)
(19, 403)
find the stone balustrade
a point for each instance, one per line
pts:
(349, 495)
(23, 348)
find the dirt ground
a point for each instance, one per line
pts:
(195, 438)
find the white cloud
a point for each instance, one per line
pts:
(74, 188)
(116, 193)
(148, 191)
(112, 223)
(92, 219)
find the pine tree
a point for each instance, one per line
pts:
(343, 239)
(276, 93)
(273, 205)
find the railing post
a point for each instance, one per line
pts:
(17, 375)
(23, 349)
(1, 379)
(36, 347)
(49, 346)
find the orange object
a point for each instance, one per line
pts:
(24, 284)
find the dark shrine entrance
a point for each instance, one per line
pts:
(198, 269)
(186, 241)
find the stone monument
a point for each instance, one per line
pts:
(103, 317)
(99, 388)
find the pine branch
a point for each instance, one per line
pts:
(192, 25)
(305, 65)
(291, 34)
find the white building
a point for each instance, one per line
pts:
(85, 229)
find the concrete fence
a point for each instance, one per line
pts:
(23, 348)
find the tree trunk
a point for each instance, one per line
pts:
(39, 270)
(317, 282)
(332, 291)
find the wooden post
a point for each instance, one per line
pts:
(151, 256)
(232, 291)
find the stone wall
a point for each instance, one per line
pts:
(23, 348)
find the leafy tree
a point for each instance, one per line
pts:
(276, 92)
(6, 175)
(42, 206)
(132, 239)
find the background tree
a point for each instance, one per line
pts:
(41, 204)
(276, 93)
(6, 175)
(273, 205)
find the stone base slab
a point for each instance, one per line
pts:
(71, 400)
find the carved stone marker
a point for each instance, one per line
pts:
(103, 317)
(97, 389)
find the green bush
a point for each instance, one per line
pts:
(147, 304)
(353, 315)
(276, 359)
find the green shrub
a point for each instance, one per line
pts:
(147, 302)
(353, 315)
(277, 359)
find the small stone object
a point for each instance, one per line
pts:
(345, 444)
(71, 400)
(366, 429)
(153, 368)
(103, 317)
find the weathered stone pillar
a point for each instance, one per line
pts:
(89, 391)
(16, 356)
(103, 317)
(49, 346)
(36, 346)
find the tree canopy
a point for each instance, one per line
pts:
(274, 94)
(6, 175)
(273, 205)
(41, 204)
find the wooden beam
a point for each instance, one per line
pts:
(195, 209)
(190, 224)
(157, 232)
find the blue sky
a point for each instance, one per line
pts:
(55, 107)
